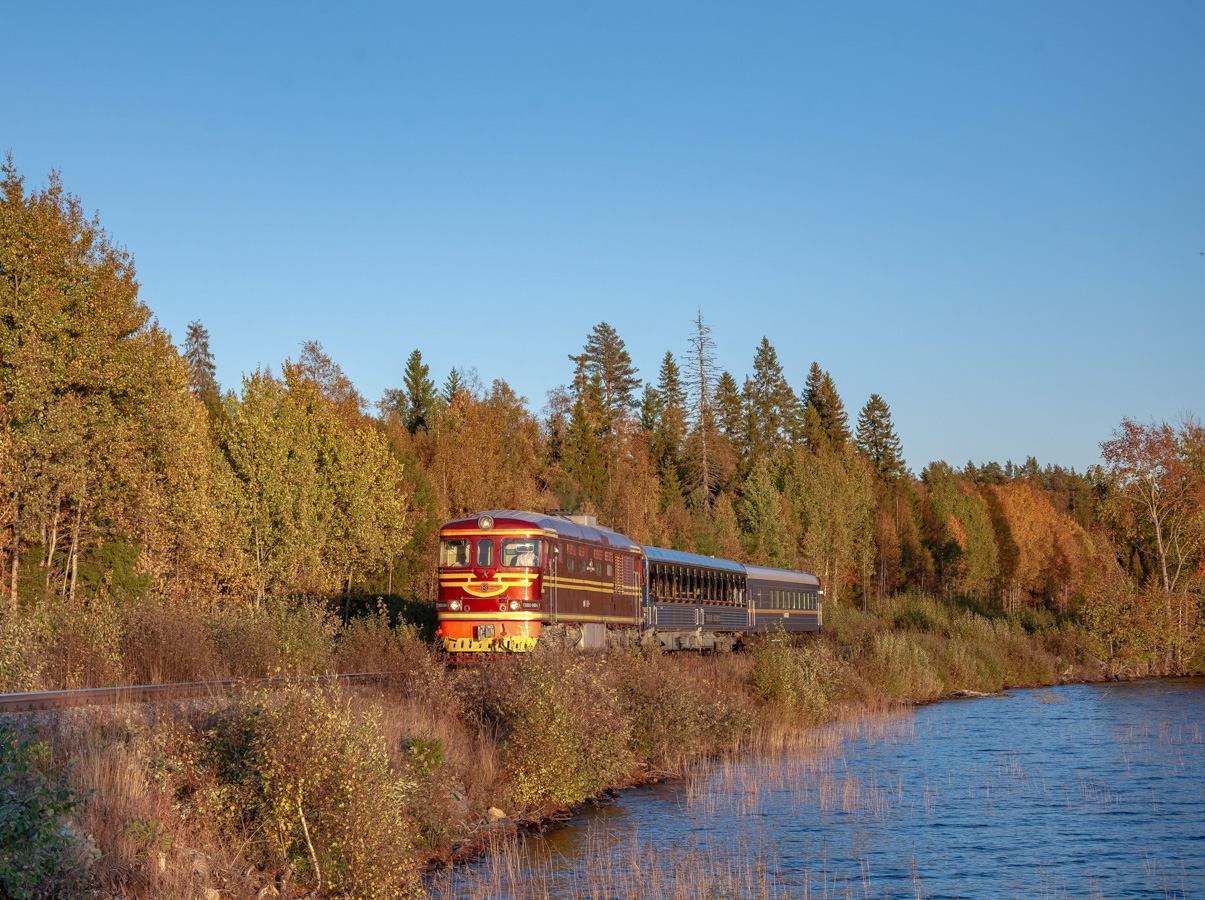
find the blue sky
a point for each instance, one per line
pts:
(992, 215)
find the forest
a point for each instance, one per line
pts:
(130, 476)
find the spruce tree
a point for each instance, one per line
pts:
(825, 422)
(670, 434)
(453, 385)
(728, 405)
(836, 422)
(583, 454)
(650, 409)
(202, 372)
(877, 440)
(771, 407)
(419, 398)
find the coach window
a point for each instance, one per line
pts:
(455, 554)
(485, 552)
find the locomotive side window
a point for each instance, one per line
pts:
(520, 552)
(571, 563)
(485, 551)
(454, 553)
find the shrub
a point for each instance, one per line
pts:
(920, 612)
(306, 777)
(83, 639)
(904, 668)
(674, 713)
(566, 737)
(305, 635)
(21, 659)
(369, 644)
(332, 801)
(798, 683)
(40, 853)
(164, 643)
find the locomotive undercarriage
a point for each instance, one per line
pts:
(574, 636)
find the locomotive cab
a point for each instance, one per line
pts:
(489, 585)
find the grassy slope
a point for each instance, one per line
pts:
(241, 794)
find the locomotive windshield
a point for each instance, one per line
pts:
(455, 553)
(520, 552)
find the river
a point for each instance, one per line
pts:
(1093, 791)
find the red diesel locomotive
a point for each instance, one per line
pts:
(506, 578)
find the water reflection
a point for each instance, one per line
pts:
(1079, 791)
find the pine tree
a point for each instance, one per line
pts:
(605, 356)
(877, 440)
(419, 394)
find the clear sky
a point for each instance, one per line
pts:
(992, 215)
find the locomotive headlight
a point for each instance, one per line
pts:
(454, 605)
(514, 604)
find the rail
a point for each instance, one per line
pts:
(35, 701)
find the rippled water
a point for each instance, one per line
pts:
(1077, 791)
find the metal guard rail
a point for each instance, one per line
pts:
(34, 701)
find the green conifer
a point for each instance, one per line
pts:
(419, 393)
(877, 440)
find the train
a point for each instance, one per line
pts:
(512, 581)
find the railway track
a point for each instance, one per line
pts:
(157, 693)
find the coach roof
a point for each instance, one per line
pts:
(763, 573)
(678, 558)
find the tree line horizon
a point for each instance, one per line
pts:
(128, 472)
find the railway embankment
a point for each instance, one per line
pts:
(353, 791)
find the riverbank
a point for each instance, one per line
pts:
(306, 793)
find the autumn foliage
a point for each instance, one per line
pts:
(127, 473)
